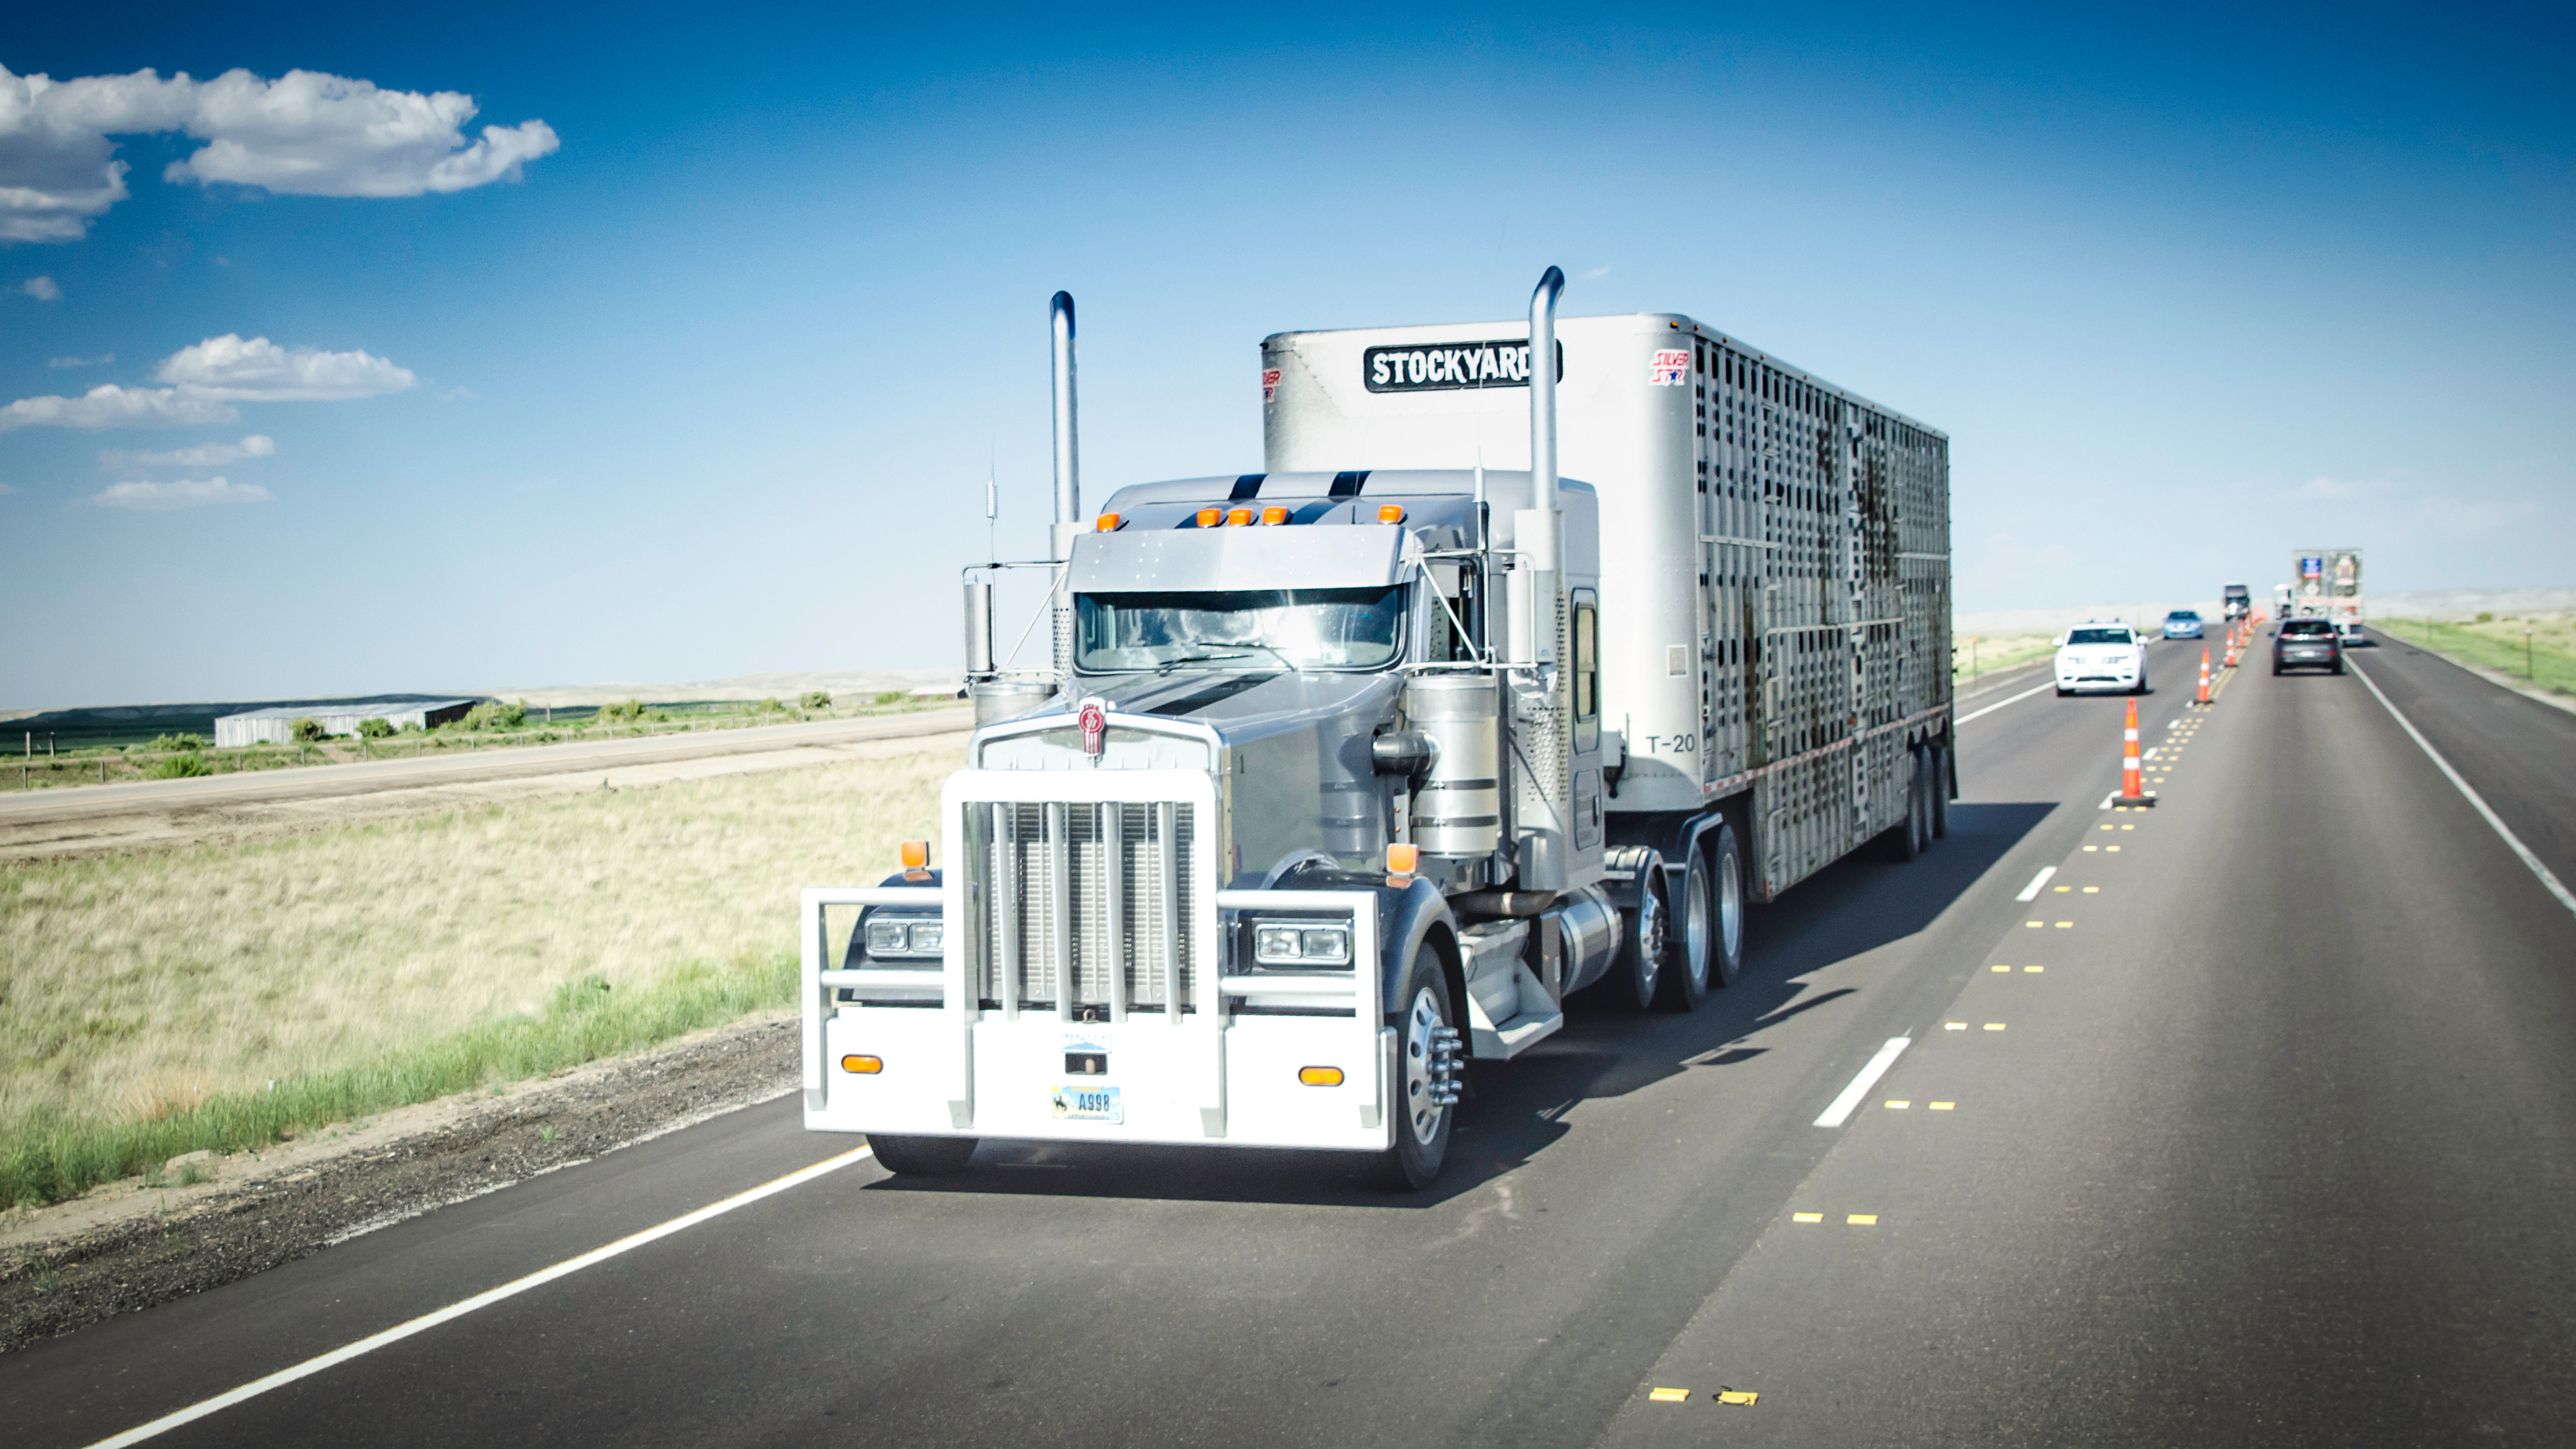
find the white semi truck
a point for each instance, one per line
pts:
(1348, 772)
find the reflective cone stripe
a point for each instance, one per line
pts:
(2131, 780)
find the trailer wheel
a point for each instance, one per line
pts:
(1712, 924)
(1425, 1086)
(1940, 792)
(1904, 840)
(922, 1156)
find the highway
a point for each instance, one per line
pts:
(404, 772)
(2254, 1123)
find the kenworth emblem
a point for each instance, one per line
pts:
(1094, 716)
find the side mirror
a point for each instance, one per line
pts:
(2058, 643)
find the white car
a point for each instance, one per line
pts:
(2108, 658)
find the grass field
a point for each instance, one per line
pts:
(1972, 657)
(217, 997)
(2545, 659)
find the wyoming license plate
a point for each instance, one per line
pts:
(1088, 1104)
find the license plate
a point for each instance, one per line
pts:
(1088, 1104)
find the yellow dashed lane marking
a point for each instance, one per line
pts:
(2034, 969)
(2115, 850)
(2061, 890)
(1668, 1396)
(2066, 925)
(1862, 1220)
(2034, 925)
(1806, 1217)
(1994, 1026)
(2092, 890)
(1945, 1106)
(1736, 1396)
(1895, 1106)
(1954, 1026)
(1999, 968)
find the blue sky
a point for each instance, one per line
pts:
(710, 387)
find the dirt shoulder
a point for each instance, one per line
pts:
(130, 1245)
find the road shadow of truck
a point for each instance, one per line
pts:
(1515, 1110)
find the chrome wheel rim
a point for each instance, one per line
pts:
(1730, 905)
(1651, 941)
(1699, 933)
(1422, 1111)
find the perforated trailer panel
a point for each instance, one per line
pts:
(1775, 572)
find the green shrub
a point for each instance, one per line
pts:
(176, 742)
(2485, 617)
(376, 727)
(814, 699)
(892, 696)
(179, 767)
(306, 730)
(492, 714)
(626, 712)
(769, 706)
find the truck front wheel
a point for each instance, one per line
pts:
(1425, 1088)
(922, 1156)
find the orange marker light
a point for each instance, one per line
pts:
(1389, 513)
(1211, 517)
(1401, 859)
(1320, 1076)
(916, 855)
(1108, 523)
(1238, 518)
(1274, 515)
(864, 1066)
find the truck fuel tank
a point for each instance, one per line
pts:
(1457, 811)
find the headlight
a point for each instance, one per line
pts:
(891, 937)
(1280, 944)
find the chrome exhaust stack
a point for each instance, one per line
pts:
(1541, 715)
(1068, 482)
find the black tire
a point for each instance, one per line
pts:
(2061, 691)
(922, 1156)
(1904, 839)
(2338, 666)
(2276, 671)
(1711, 954)
(1422, 1125)
(1647, 953)
(1940, 792)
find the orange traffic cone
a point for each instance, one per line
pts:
(2203, 696)
(2231, 651)
(2131, 776)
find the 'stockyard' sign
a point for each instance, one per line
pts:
(1500, 363)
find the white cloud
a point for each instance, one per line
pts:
(185, 493)
(110, 406)
(2326, 489)
(204, 455)
(101, 360)
(261, 371)
(306, 133)
(1597, 273)
(42, 289)
(5, 488)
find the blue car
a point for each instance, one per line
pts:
(2182, 624)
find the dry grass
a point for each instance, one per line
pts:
(1974, 657)
(2535, 649)
(135, 989)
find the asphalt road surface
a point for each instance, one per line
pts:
(75, 802)
(2256, 1124)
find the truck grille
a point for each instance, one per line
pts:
(1082, 908)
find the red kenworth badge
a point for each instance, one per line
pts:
(1095, 726)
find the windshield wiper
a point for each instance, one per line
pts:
(1168, 665)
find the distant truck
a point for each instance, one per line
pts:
(2329, 587)
(1350, 771)
(2236, 601)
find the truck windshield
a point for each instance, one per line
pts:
(1252, 628)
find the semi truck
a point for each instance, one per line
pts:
(1348, 772)
(2329, 588)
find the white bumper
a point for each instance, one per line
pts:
(978, 1061)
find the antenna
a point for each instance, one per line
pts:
(992, 509)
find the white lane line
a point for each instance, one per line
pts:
(513, 1289)
(2151, 754)
(1998, 704)
(2107, 799)
(1868, 1078)
(2556, 887)
(2030, 892)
